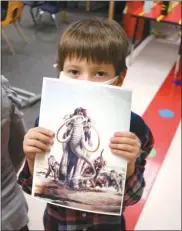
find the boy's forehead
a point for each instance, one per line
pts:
(77, 62)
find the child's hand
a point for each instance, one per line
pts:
(127, 145)
(37, 140)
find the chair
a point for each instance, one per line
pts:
(33, 5)
(53, 7)
(14, 12)
(88, 5)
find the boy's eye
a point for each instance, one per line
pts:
(74, 72)
(100, 73)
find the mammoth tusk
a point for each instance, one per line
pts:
(97, 144)
(66, 139)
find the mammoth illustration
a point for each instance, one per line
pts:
(53, 167)
(75, 147)
(109, 179)
(120, 182)
(98, 163)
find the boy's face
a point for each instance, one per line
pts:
(83, 70)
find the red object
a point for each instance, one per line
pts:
(163, 129)
(172, 17)
(129, 21)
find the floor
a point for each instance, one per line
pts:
(150, 78)
(153, 91)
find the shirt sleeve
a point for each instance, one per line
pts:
(12, 112)
(17, 133)
(135, 184)
(25, 179)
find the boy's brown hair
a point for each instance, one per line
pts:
(98, 40)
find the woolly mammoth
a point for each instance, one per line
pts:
(76, 142)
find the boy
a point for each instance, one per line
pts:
(94, 50)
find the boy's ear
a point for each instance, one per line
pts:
(122, 76)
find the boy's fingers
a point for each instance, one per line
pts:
(41, 137)
(125, 134)
(43, 131)
(33, 150)
(122, 147)
(122, 140)
(124, 154)
(37, 144)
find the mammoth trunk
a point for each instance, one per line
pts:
(80, 154)
(63, 166)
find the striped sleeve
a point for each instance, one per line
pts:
(135, 184)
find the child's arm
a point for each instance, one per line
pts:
(135, 184)
(36, 141)
(126, 145)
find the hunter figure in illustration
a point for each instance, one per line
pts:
(87, 131)
(75, 148)
(53, 168)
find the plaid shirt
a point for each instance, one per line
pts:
(64, 219)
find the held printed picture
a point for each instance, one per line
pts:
(80, 172)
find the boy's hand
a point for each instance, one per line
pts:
(37, 140)
(127, 145)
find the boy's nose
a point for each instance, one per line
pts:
(85, 76)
